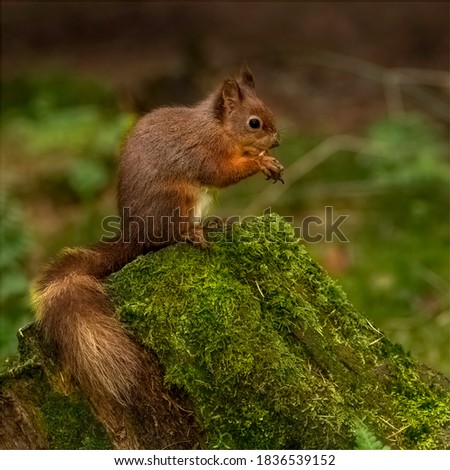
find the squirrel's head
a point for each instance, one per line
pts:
(244, 117)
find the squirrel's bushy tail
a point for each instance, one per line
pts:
(75, 315)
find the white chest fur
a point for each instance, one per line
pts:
(204, 202)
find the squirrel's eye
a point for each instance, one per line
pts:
(254, 123)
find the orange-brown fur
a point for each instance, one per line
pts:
(169, 162)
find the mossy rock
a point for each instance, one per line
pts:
(271, 353)
(253, 339)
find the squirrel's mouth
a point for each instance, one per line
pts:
(260, 150)
(252, 150)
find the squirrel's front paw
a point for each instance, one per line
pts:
(271, 167)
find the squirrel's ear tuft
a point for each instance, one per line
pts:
(246, 76)
(228, 98)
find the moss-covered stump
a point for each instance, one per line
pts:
(38, 411)
(254, 338)
(41, 409)
(271, 353)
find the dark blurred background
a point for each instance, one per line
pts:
(361, 92)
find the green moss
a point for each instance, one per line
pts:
(419, 408)
(69, 424)
(268, 348)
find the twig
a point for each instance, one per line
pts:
(259, 288)
(310, 160)
(399, 431)
(393, 94)
(373, 328)
(393, 81)
(436, 78)
(375, 341)
(388, 423)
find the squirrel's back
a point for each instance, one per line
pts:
(168, 145)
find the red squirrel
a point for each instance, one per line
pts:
(169, 162)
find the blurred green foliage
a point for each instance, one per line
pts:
(72, 127)
(410, 151)
(61, 137)
(28, 96)
(400, 274)
(15, 245)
